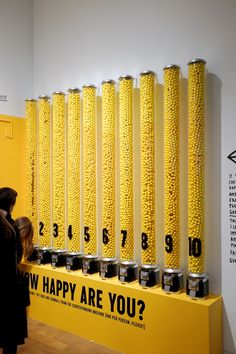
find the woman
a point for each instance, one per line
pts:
(7, 203)
(13, 320)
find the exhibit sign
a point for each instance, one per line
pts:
(232, 213)
(126, 317)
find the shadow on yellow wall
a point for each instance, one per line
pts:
(12, 158)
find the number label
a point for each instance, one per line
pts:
(195, 247)
(144, 242)
(55, 230)
(169, 243)
(86, 234)
(70, 233)
(105, 238)
(124, 237)
(41, 226)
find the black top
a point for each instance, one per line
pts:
(13, 320)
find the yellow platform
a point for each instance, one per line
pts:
(125, 317)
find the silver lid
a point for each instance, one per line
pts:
(44, 97)
(91, 256)
(74, 90)
(59, 251)
(128, 263)
(112, 82)
(74, 254)
(126, 77)
(30, 100)
(199, 275)
(171, 66)
(148, 266)
(45, 248)
(59, 93)
(197, 60)
(147, 72)
(108, 260)
(172, 270)
(89, 86)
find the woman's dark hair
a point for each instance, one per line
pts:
(26, 234)
(7, 198)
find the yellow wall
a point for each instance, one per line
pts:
(12, 158)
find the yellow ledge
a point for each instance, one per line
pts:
(124, 317)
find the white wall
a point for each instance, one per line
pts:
(86, 41)
(16, 59)
(77, 42)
